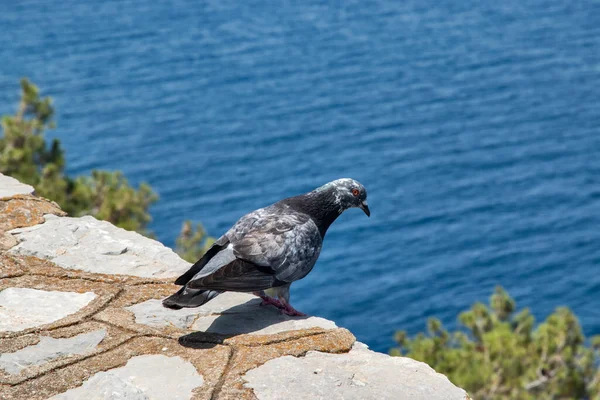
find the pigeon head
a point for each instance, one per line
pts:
(347, 193)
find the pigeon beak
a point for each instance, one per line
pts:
(365, 207)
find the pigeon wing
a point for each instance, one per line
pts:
(287, 243)
(264, 250)
(238, 275)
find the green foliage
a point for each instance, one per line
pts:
(23, 151)
(106, 195)
(501, 355)
(192, 242)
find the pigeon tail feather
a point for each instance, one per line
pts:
(189, 298)
(201, 263)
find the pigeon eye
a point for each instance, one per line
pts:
(355, 192)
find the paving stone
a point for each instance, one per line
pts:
(22, 308)
(37, 266)
(152, 313)
(24, 349)
(260, 321)
(97, 246)
(9, 187)
(155, 377)
(209, 362)
(359, 375)
(33, 302)
(248, 357)
(49, 349)
(238, 313)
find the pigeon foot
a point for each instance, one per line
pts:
(269, 301)
(291, 311)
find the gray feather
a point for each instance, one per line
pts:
(289, 243)
(219, 260)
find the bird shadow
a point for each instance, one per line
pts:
(241, 319)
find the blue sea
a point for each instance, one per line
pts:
(474, 125)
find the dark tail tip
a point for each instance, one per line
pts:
(182, 280)
(186, 297)
(169, 303)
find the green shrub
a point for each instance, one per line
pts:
(502, 355)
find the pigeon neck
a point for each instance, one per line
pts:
(321, 206)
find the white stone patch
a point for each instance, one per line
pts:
(262, 321)
(228, 314)
(152, 313)
(22, 308)
(99, 247)
(359, 375)
(148, 377)
(9, 187)
(49, 349)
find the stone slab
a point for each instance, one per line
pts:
(248, 357)
(35, 360)
(227, 314)
(97, 246)
(37, 266)
(151, 312)
(155, 376)
(261, 321)
(9, 187)
(49, 349)
(209, 362)
(22, 308)
(48, 302)
(359, 375)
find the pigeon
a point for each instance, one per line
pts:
(268, 249)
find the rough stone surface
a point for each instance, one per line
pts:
(22, 211)
(209, 362)
(99, 247)
(264, 321)
(49, 349)
(9, 187)
(7, 241)
(144, 377)
(103, 292)
(152, 313)
(81, 318)
(359, 375)
(231, 314)
(14, 345)
(22, 308)
(247, 358)
(9, 267)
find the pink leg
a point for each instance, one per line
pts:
(268, 300)
(289, 310)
